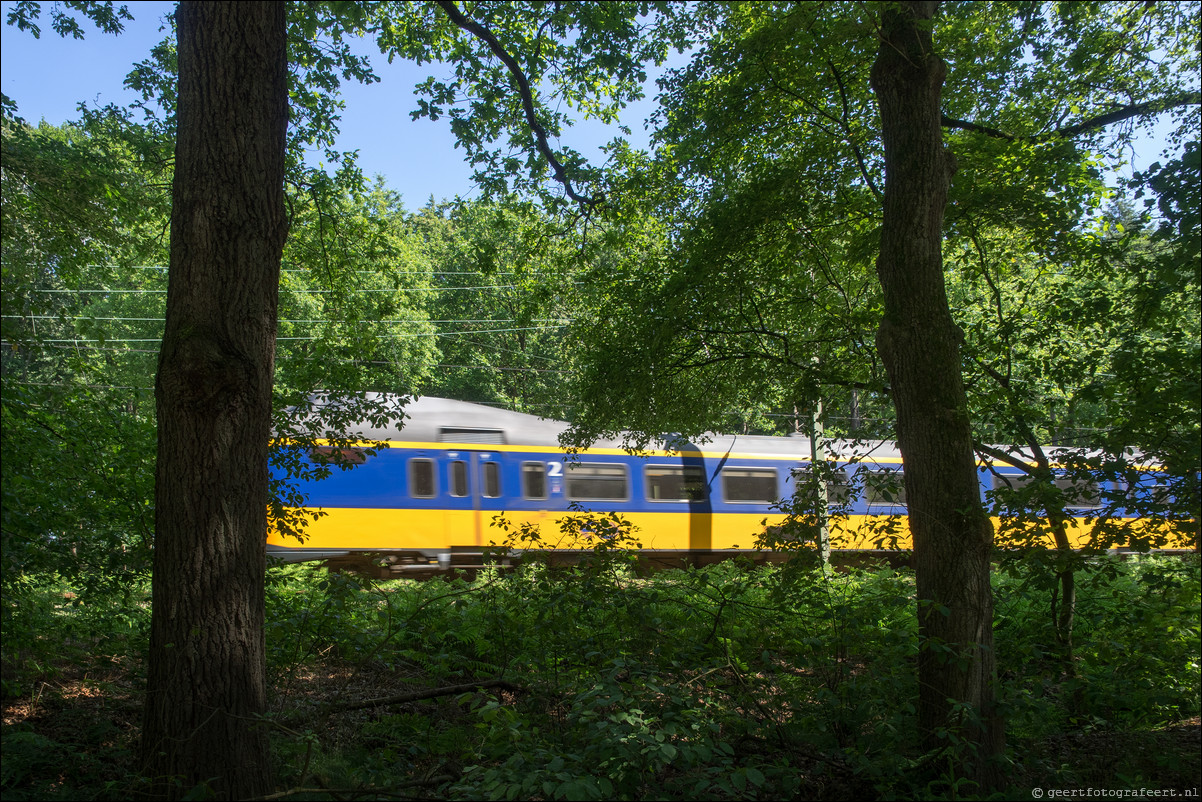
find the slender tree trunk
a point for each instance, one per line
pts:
(818, 466)
(1064, 597)
(206, 681)
(919, 344)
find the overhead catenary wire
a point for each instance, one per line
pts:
(409, 335)
(297, 320)
(86, 345)
(355, 272)
(297, 292)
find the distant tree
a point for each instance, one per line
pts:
(353, 298)
(81, 206)
(504, 281)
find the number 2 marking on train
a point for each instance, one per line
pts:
(554, 469)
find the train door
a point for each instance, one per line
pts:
(474, 478)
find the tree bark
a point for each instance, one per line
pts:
(206, 681)
(919, 345)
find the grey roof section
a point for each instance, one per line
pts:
(428, 419)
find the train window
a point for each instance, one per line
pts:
(534, 480)
(491, 479)
(749, 485)
(675, 482)
(1155, 489)
(421, 478)
(885, 488)
(1012, 481)
(1150, 493)
(596, 481)
(838, 485)
(1080, 494)
(459, 478)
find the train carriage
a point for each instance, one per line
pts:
(438, 483)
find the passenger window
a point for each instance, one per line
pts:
(838, 485)
(421, 478)
(459, 478)
(1080, 494)
(534, 480)
(596, 481)
(1158, 489)
(1012, 481)
(885, 488)
(491, 480)
(749, 485)
(675, 483)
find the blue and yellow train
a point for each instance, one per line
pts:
(438, 483)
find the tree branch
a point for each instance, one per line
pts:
(1135, 110)
(954, 124)
(1099, 121)
(523, 86)
(1001, 456)
(392, 791)
(433, 693)
(876, 192)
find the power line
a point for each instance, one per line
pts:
(78, 347)
(291, 320)
(83, 340)
(355, 272)
(356, 362)
(504, 369)
(78, 340)
(82, 345)
(73, 384)
(297, 292)
(560, 320)
(436, 333)
(83, 317)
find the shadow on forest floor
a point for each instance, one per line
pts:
(75, 737)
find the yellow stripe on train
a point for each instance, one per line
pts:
(354, 529)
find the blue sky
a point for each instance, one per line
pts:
(50, 76)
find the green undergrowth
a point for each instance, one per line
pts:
(72, 671)
(599, 682)
(726, 682)
(1136, 647)
(52, 626)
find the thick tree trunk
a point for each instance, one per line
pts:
(919, 344)
(206, 682)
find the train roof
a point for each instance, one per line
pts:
(442, 420)
(429, 419)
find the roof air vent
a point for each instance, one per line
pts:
(455, 434)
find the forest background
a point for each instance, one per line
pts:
(752, 245)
